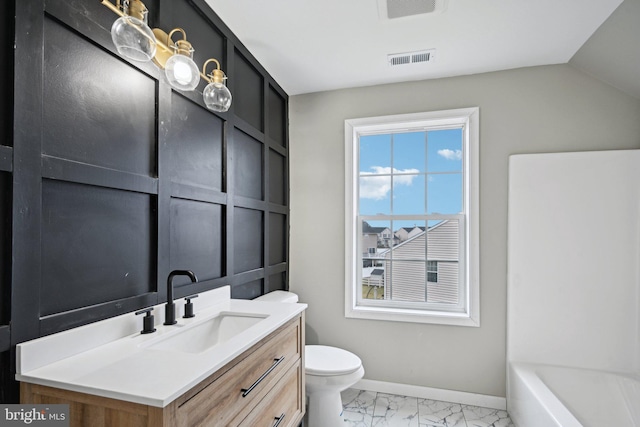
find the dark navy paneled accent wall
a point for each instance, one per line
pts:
(110, 179)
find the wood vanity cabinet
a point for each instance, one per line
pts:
(264, 386)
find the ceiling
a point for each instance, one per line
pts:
(311, 46)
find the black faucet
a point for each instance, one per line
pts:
(170, 308)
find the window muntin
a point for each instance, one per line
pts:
(413, 178)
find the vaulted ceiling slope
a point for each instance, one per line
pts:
(612, 54)
(311, 46)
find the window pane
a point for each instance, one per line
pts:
(409, 244)
(375, 195)
(409, 152)
(409, 194)
(408, 231)
(445, 289)
(443, 241)
(444, 150)
(373, 283)
(432, 276)
(443, 265)
(375, 153)
(444, 193)
(405, 280)
(375, 241)
(432, 271)
(376, 234)
(368, 244)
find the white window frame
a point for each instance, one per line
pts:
(469, 314)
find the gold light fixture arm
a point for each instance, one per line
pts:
(114, 8)
(182, 47)
(137, 9)
(166, 47)
(216, 76)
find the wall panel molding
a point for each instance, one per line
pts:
(6, 159)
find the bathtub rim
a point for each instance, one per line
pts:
(545, 398)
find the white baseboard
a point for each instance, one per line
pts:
(453, 396)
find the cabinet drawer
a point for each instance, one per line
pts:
(235, 393)
(283, 406)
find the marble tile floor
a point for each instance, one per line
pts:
(370, 409)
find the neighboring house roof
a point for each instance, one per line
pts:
(374, 230)
(413, 238)
(410, 229)
(366, 228)
(377, 272)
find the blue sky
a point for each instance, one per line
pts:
(427, 174)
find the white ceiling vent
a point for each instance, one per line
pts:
(420, 56)
(392, 9)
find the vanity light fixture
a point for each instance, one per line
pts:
(216, 95)
(136, 41)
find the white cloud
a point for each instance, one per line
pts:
(377, 187)
(450, 154)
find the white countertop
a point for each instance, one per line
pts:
(111, 358)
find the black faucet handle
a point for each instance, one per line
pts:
(188, 307)
(147, 322)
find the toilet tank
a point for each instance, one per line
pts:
(279, 296)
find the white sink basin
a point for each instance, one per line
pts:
(202, 336)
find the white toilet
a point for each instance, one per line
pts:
(328, 371)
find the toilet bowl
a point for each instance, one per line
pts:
(328, 371)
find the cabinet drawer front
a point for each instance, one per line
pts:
(233, 394)
(283, 406)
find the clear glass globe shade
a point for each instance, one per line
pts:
(133, 38)
(182, 72)
(217, 97)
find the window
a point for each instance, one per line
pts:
(432, 271)
(413, 180)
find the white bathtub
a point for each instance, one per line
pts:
(551, 396)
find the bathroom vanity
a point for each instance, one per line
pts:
(237, 363)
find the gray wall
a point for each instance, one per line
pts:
(542, 109)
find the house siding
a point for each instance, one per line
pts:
(444, 242)
(405, 275)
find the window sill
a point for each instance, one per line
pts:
(412, 316)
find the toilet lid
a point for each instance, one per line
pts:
(323, 360)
